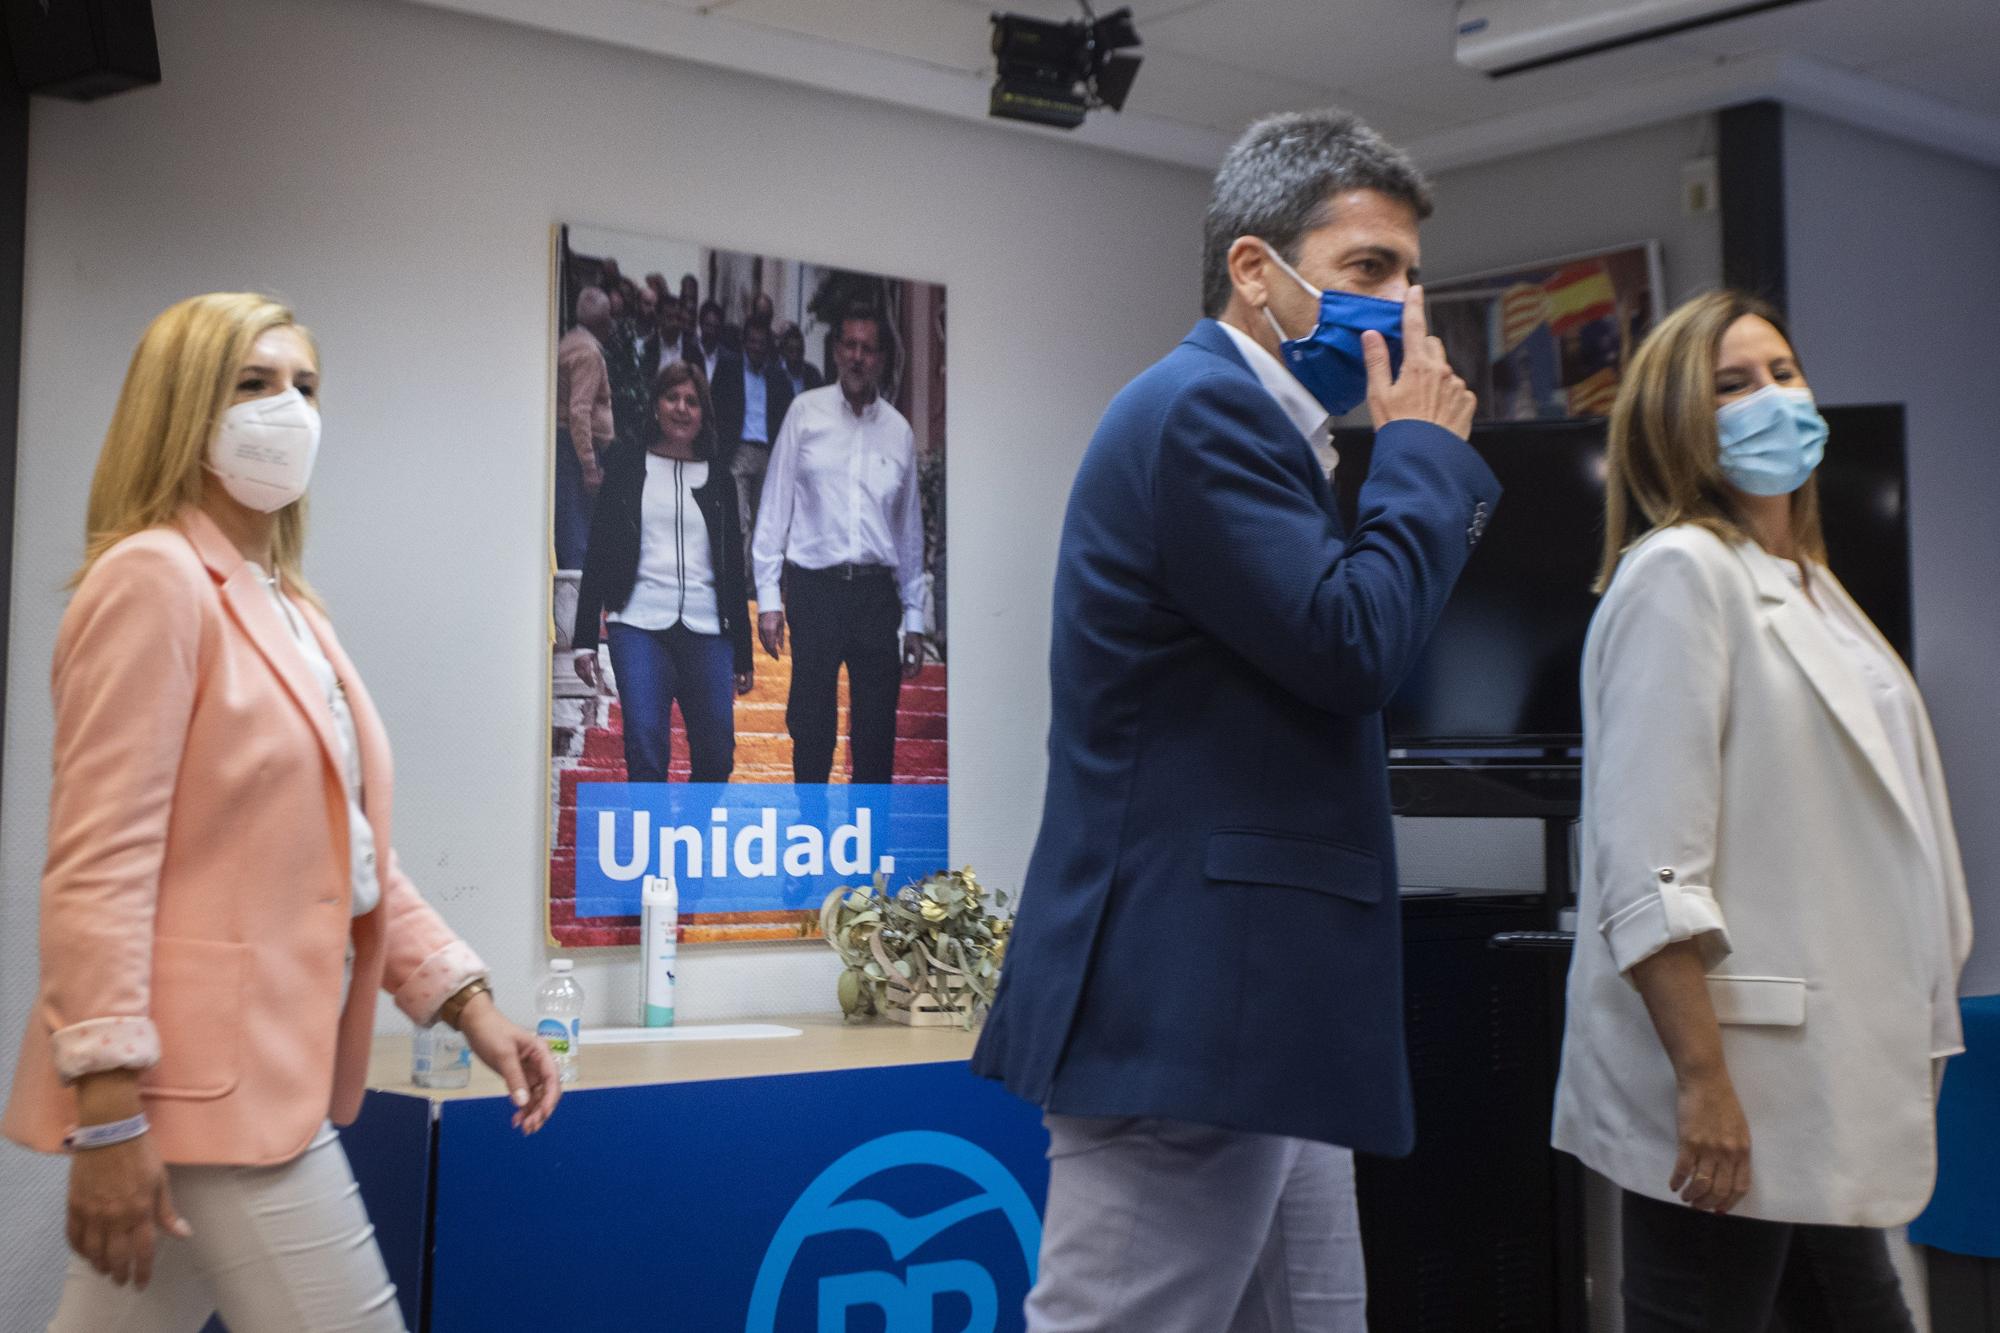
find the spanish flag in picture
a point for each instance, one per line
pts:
(1580, 294)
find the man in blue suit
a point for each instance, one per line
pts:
(1204, 986)
(752, 393)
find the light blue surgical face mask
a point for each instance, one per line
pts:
(1328, 361)
(1771, 440)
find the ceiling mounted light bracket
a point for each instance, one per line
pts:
(1052, 73)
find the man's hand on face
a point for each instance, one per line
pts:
(1428, 389)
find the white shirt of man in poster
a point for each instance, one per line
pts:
(838, 558)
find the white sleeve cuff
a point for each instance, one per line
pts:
(913, 620)
(1667, 915)
(769, 599)
(98, 1044)
(440, 977)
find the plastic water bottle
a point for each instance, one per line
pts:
(559, 1016)
(439, 1057)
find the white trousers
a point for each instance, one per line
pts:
(276, 1249)
(1160, 1226)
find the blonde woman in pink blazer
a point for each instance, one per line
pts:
(220, 902)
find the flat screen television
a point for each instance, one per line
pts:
(1500, 674)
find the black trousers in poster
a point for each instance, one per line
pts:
(851, 615)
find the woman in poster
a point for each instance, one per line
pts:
(666, 562)
(219, 904)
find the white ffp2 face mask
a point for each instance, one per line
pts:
(264, 449)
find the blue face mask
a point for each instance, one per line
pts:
(1328, 361)
(1771, 440)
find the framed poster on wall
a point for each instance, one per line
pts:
(1550, 339)
(747, 532)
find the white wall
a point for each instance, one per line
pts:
(1894, 255)
(1576, 198)
(394, 170)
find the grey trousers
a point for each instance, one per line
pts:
(1160, 1226)
(748, 464)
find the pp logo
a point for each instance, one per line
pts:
(836, 1238)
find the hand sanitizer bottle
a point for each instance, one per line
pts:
(659, 937)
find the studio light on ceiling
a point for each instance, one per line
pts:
(1056, 73)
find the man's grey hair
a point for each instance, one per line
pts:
(1279, 180)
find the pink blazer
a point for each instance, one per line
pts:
(196, 900)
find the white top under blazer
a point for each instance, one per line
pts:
(675, 583)
(1741, 790)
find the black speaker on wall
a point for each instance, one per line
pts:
(82, 49)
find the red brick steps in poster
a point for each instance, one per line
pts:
(763, 754)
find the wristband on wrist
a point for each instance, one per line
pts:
(85, 1137)
(453, 1008)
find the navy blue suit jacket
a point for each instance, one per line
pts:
(1210, 928)
(730, 399)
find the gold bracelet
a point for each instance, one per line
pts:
(453, 1007)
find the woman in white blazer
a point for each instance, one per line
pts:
(1773, 914)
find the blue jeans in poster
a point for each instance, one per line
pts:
(657, 667)
(572, 506)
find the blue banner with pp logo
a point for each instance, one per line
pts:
(921, 1229)
(894, 1200)
(751, 847)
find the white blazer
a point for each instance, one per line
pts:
(1739, 790)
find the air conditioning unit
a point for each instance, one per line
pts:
(1502, 37)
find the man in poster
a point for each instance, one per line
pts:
(752, 395)
(839, 560)
(792, 348)
(1203, 986)
(584, 427)
(668, 342)
(708, 330)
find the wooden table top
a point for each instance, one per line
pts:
(824, 1043)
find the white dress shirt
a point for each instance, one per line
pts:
(676, 582)
(1896, 705)
(1313, 420)
(842, 490)
(360, 834)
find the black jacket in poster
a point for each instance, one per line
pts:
(611, 567)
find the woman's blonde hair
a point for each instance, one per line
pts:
(1663, 456)
(181, 380)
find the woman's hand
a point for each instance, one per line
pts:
(1712, 1172)
(745, 682)
(517, 1056)
(118, 1194)
(586, 668)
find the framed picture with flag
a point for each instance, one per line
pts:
(1550, 339)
